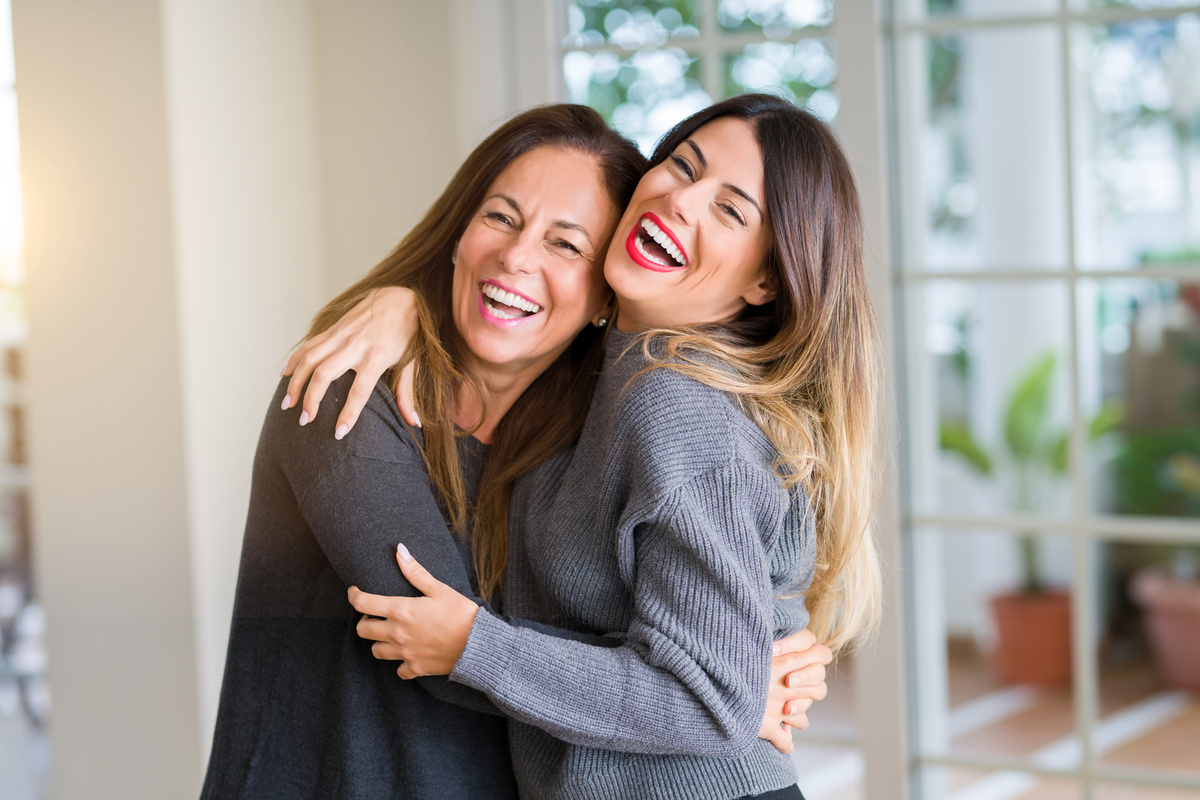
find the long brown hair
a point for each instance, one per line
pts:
(550, 413)
(803, 366)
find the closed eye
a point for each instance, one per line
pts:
(563, 243)
(733, 212)
(683, 166)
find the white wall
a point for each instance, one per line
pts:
(200, 175)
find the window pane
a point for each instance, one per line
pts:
(628, 23)
(916, 10)
(1140, 389)
(983, 187)
(1139, 4)
(642, 95)
(993, 658)
(988, 406)
(1149, 665)
(1139, 157)
(775, 19)
(804, 72)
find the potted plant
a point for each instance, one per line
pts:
(1158, 473)
(1033, 622)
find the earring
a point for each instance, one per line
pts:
(453, 260)
(600, 323)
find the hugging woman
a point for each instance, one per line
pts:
(725, 465)
(305, 711)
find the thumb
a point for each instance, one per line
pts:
(417, 575)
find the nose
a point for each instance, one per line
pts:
(684, 202)
(520, 256)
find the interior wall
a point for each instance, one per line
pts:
(386, 79)
(106, 427)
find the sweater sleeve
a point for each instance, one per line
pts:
(365, 494)
(692, 675)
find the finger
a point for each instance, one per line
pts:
(376, 605)
(406, 672)
(356, 401)
(406, 399)
(373, 629)
(302, 363)
(795, 643)
(326, 373)
(417, 575)
(811, 675)
(794, 708)
(781, 739)
(387, 651)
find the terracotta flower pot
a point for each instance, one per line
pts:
(1173, 623)
(1033, 638)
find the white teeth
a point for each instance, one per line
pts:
(657, 234)
(508, 299)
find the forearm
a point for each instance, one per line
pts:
(624, 698)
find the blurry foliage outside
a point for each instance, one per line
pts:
(640, 64)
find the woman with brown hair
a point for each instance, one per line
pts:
(722, 478)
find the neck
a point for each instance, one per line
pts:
(502, 391)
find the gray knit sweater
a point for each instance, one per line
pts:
(667, 529)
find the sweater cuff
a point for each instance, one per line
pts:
(485, 662)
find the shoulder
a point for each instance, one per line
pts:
(380, 433)
(669, 414)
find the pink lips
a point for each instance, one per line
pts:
(488, 316)
(634, 253)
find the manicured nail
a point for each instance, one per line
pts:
(418, 419)
(303, 417)
(775, 648)
(341, 431)
(792, 681)
(403, 553)
(287, 401)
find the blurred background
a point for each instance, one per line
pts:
(184, 182)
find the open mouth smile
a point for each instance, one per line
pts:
(504, 306)
(652, 245)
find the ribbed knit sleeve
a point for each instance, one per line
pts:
(691, 676)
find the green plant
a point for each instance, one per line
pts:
(1029, 454)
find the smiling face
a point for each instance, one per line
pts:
(527, 277)
(691, 245)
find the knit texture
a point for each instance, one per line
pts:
(667, 530)
(306, 712)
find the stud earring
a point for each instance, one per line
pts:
(600, 323)
(453, 260)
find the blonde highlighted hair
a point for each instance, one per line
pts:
(804, 366)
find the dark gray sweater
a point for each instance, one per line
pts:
(306, 713)
(667, 529)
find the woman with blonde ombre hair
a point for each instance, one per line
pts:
(721, 483)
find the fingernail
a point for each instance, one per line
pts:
(775, 648)
(303, 417)
(341, 431)
(287, 401)
(418, 419)
(792, 681)
(403, 552)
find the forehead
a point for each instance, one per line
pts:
(729, 144)
(559, 181)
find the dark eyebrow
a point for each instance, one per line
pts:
(741, 193)
(558, 223)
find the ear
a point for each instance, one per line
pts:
(606, 311)
(762, 291)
